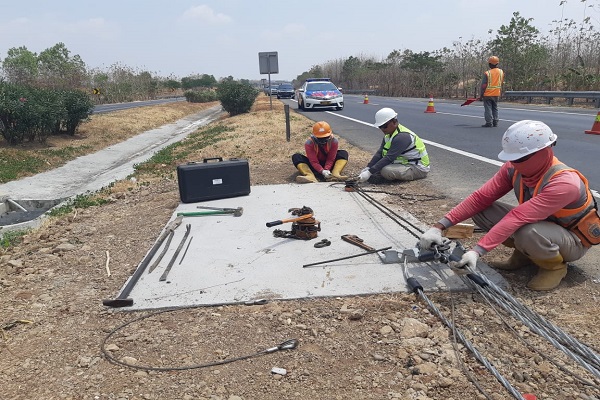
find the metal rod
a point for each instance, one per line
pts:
(162, 253)
(163, 277)
(345, 258)
(185, 251)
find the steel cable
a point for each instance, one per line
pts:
(584, 356)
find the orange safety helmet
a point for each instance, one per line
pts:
(493, 60)
(321, 130)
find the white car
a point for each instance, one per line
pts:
(319, 93)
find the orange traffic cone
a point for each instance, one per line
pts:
(430, 107)
(366, 100)
(596, 127)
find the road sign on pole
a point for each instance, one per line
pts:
(268, 64)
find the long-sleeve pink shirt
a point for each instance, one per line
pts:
(563, 189)
(321, 157)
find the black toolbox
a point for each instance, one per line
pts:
(214, 178)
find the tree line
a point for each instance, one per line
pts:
(568, 58)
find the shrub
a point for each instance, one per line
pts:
(236, 98)
(29, 113)
(79, 107)
(203, 96)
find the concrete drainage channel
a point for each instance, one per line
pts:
(23, 214)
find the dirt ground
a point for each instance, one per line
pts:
(57, 337)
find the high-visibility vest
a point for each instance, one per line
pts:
(495, 78)
(415, 153)
(568, 216)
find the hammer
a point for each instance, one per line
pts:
(237, 212)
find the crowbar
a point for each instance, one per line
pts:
(163, 277)
(122, 300)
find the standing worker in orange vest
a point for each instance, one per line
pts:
(491, 88)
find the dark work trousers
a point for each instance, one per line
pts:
(302, 159)
(490, 109)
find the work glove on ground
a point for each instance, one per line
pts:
(468, 259)
(326, 174)
(364, 175)
(432, 236)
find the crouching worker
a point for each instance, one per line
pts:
(556, 220)
(323, 160)
(402, 155)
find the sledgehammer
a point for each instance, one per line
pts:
(122, 300)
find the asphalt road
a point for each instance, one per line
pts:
(462, 153)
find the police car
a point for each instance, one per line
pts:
(319, 93)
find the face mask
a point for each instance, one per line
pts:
(323, 141)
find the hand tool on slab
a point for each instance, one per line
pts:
(345, 258)
(122, 300)
(283, 221)
(163, 277)
(236, 212)
(355, 240)
(162, 253)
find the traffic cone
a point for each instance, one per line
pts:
(366, 100)
(596, 127)
(430, 107)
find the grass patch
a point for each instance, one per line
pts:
(12, 238)
(14, 164)
(66, 153)
(79, 201)
(173, 154)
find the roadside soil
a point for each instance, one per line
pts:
(386, 346)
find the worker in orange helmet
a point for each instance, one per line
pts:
(491, 88)
(323, 160)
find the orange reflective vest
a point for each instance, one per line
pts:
(495, 79)
(580, 217)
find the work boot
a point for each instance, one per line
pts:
(336, 171)
(307, 175)
(517, 260)
(549, 275)
(487, 125)
(495, 122)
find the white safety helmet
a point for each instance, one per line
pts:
(384, 115)
(525, 137)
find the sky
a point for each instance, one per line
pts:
(180, 38)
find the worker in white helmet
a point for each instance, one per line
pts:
(555, 222)
(402, 155)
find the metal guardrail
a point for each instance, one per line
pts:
(548, 95)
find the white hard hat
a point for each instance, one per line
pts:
(384, 115)
(525, 137)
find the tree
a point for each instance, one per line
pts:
(20, 66)
(521, 53)
(426, 70)
(57, 69)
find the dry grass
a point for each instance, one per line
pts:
(100, 131)
(260, 136)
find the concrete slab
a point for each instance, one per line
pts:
(238, 259)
